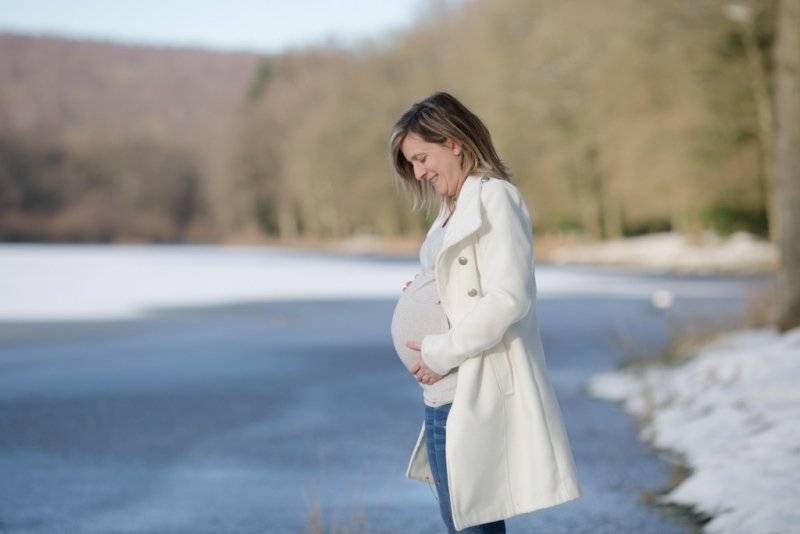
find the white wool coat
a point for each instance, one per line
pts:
(507, 449)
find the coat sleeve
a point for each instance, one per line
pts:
(505, 260)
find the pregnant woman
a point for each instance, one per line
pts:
(493, 440)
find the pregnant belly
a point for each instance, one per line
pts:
(418, 314)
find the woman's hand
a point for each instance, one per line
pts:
(420, 370)
(407, 284)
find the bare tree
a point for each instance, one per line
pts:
(788, 161)
(744, 16)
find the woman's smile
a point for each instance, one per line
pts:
(437, 164)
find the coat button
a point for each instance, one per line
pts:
(472, 292)
(462, 260)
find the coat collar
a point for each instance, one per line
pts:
(466, 218)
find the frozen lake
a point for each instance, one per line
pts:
(215, 389)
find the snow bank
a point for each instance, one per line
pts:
(672, 251)
(733, 412)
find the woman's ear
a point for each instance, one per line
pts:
(455, 146)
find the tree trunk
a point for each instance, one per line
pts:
(612, 215)
(763, 104)
(788, 162)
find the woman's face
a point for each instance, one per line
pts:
(438, 164)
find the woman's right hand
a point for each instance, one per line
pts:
(407, 284)
(420, 369)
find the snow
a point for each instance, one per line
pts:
(108, 282)
(52, 282)
(733, 414)
(673, 251)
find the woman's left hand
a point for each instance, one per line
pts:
(420, 370)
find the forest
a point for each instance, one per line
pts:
(618, 118)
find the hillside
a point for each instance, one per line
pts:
(618, 118)
(85, 119)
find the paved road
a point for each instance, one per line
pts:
(255, 418)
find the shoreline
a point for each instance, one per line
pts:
(660, 253)
(730, 415)
(667, 252)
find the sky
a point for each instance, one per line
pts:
(266, 26)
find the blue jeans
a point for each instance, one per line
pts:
(435, 434)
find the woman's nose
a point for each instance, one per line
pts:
(419, 171)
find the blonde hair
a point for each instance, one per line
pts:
(437, 119)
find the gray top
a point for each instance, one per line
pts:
(419, 313)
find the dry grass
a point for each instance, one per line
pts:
(323, 519)
(318, 523)
(685, 335)
(682, 515)
(761, 309)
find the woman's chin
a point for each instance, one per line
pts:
(442, 192)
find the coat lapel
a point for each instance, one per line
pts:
(467, 217)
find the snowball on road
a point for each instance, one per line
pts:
(733, 413)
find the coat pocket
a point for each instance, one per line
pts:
(500, 362)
